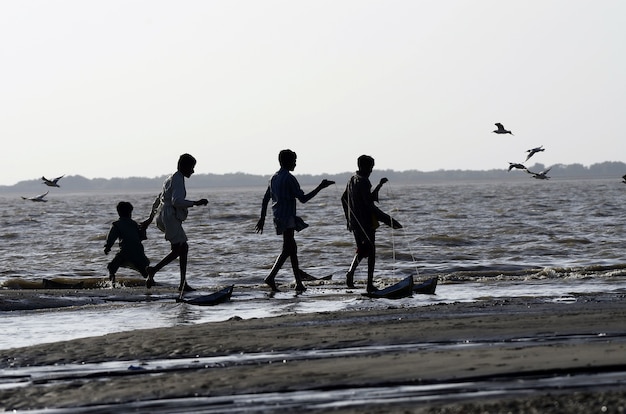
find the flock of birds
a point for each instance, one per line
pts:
(543, 175)
(50, 183)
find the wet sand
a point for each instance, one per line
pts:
(454, 342)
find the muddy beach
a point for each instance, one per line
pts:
(362, 352)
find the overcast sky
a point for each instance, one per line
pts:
(121, 88)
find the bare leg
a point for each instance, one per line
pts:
(350, 274)
(278, 264)
(371, 262)
(297, 274)
(114, 266)
(183, 256)
(171, 256)
(290, 249)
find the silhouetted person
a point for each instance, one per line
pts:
(283, 190)
(362, 217)
(130, 235)
(172, 206)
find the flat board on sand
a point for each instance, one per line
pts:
(427, 287)
(212, 299)
(402, 289)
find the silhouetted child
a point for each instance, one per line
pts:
(283, 190)
(171, 208)
(130, 235)
(362, 217)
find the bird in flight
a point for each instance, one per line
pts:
(52, 183)
(624, 178)
(516, 165)
(40, 197)
(501, 129)
(540, 176)
(533, 151)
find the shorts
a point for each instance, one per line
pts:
(136, 260)
(172, 226)
(293, 222)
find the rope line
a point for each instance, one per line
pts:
(404, 230)
(390, 196)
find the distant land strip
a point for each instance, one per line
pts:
(76, 183)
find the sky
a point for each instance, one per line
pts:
(116, 88)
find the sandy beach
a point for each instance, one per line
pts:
(394, 347)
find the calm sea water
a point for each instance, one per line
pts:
(481, 239)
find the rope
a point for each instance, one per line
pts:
(351, 213)
(393, 242)
(404, 230)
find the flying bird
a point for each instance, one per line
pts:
(52, 183)
(501, 129)
(533, 151)
(516, 165)
(40, 197)
(624, 178)
(540, 176)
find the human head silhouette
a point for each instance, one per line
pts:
(287, 159)
(186, 164)
(124, 209)
(366, 164)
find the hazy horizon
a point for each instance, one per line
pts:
(377, 171)
(605, 170)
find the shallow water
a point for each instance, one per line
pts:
(24, 328)
(483, 240)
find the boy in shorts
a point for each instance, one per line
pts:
(283, 190)
(362, 217)
(130, 235)
(171, 206)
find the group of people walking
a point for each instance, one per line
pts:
(171, 208)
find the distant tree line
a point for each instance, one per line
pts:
(77, 183)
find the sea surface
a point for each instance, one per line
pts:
(552, 238)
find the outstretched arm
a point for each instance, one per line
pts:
(155, 207)
(306, 197)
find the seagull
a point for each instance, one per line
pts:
(542, 175)
(52, 183)
(516, 165)
(501, 129)
(533, 151)
(40, 197)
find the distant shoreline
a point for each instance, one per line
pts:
(77, 183)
